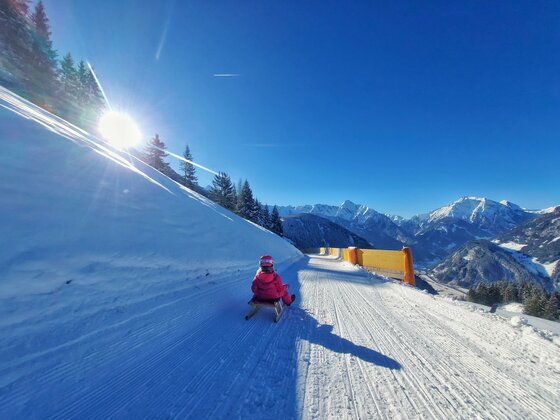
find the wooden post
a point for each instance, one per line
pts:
(408, 267)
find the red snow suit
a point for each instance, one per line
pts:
(268, 286)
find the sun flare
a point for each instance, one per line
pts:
(119, 129)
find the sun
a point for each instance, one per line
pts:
(119, 129)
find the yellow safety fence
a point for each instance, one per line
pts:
(396, 264)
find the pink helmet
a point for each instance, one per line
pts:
(266, 261)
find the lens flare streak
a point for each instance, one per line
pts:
(99, 85)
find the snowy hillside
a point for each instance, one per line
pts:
(91, 236)
(538, 244)
(72, 208)
(481, 261)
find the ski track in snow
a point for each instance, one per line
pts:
(352, 346)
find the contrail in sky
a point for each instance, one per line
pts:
(163, 37)
(99, 85)
(226, 75)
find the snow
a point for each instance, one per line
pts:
(511, 205)
(463, 209)
(513, 307)
(549, 268)
(512, 246)
(480, 211)
(471, 255)
(545, 211)
(131, 305)
(60, 226)
(348, 211)
(531, 264)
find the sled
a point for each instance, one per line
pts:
(276, 305)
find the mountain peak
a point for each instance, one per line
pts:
(470, 198)
(510, 205)
(349, 205)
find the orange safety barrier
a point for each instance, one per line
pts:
(396, 264)
(408, 267)
(353, 255)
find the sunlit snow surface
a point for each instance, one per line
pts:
(122, 295)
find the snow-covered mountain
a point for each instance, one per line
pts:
(346, 211)
(481, 261)
(530, 252)
(545, 211)
(311, 231)
(396, 219)
(486, 215)
(539, 239)
(378, 229)
(445, 229)
(432, 236)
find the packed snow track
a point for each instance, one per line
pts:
(352, 346)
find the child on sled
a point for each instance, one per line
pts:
(267, 285)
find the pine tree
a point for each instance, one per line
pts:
(222, 191)
(95, 96)
(155, 153)
(482, 293)
(22, 6)
(16, 40)
(534, 300)
(510, 293)
(246, 203)
(265, 214)
(535, 305)
(258, 208)
(276, 222)
(94, 99)
(44, 67)
(239, 186)
(551, 307)
(41, 21)
(471, 295)
(69, 79)
(494, 294)
(235, 198)
(82, 91)
(238, 189)
(190, 180)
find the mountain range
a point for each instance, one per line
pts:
(470, 240)
(310, 231)
(529, 252)
(432, 236)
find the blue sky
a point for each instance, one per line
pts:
(398, 105)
